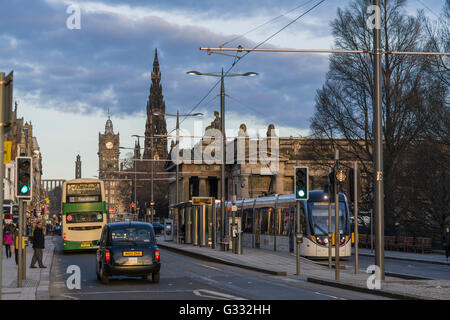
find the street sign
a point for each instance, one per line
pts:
(7, 151)
(202, 200)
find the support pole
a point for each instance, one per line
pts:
(330, 231)
(355, 215)
(19, 245)
(297, 234)
(378, 152)
(2, 169)
(222, 166)
(337, 236)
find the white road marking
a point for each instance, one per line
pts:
(323, 294)
(215, 295)
(209, 267)
(136, 291)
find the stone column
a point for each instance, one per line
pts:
(184, 189)
(203, 192)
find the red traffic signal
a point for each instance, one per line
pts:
(42, 208)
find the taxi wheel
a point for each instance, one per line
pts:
(155, 277)
(103, 276)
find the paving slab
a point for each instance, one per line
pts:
(36, 284)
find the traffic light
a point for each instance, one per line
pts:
(331, 189)
(133, 207)
(301, 181)
(24, 187)
(42, 208)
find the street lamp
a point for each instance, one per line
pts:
(156, 113)
(222, 115)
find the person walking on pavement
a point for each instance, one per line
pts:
(7, 241)
(446, 242)
(38, 246)
(15, 236)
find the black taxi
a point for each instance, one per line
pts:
(128, 249)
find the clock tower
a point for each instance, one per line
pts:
(108, 151)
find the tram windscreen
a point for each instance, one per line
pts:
(319, 218)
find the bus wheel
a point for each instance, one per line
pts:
(155, 277)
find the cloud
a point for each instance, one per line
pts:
(102, 64)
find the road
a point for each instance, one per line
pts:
(186, 278)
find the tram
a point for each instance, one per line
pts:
(270, 223)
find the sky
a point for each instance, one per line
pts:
(66, 80)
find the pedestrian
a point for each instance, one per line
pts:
(16, 244)
(446, 242)
(7, 241)
(38, 246)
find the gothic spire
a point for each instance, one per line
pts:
(156, 74)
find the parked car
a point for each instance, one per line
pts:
(128, 249)
(158, 227)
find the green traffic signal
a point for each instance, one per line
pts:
(24, 177)
(25, 189)
(301, 183)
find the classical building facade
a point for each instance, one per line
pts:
(256, 167)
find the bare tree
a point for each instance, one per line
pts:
(344, 105)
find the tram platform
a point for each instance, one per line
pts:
(36, 284)
(284, 264)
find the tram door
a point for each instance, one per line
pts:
(291, 230)
(209, 221)
(188, 225)
(195, 224)
(202, 224)
(257, 225)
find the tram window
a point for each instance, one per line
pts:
(266, 220)
(248, 220)
(302, 218)
(283, 222)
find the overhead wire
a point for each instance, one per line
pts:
(236, 61)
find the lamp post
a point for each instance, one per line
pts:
(222, 115)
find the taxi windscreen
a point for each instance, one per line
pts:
(132, 234)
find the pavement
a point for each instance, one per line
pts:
(37, 282)
(433, 258)
(284, 264)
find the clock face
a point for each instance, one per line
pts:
(109, 145)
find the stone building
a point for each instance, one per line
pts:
(23, 143)
(255, 167)
(116, 189)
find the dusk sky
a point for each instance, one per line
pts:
(65, 80)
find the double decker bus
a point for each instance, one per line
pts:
(83, 213)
